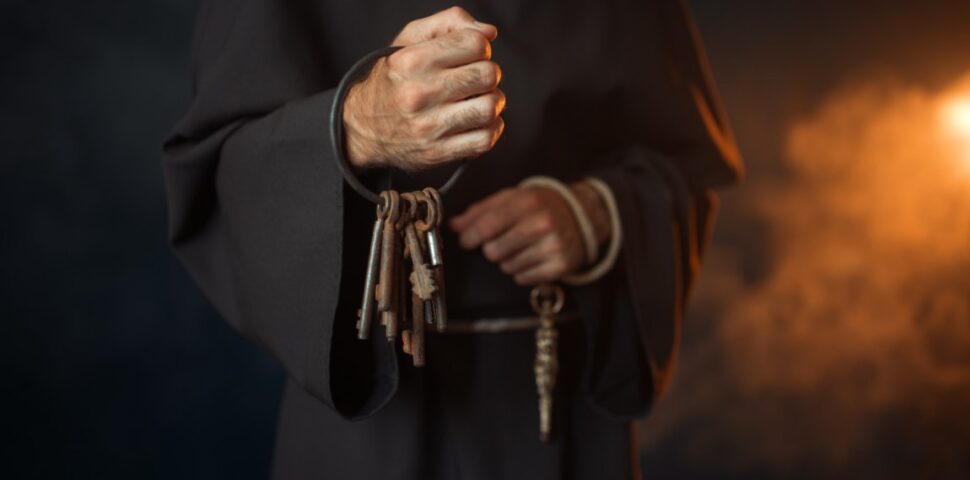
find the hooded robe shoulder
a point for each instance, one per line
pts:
(261, 218)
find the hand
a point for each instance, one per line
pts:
(434, 101)
(531, 232)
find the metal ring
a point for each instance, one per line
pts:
(430, 219)
(436, 198)
(356, 72)
(388, 208)
(547, 299)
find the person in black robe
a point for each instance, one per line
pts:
(263, 221)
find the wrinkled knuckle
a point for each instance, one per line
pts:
(458, 13)
(489, 110)
(432, 153)
(557, 266)
(405, 60)
(492, 252)
(487, 228)
(480, 145)
(471, 148)
(452, 83)
(474, 42)
(556, 247)
(467, 80)
(491, 74)
(480, 115)
(424, 128)
(528, 199)
(411, 98)
(486, 75)
(543, 224)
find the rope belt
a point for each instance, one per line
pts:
(501, 324)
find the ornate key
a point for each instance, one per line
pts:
(366, 312)
(424, 226)
(436, 259)
(547, 301)
(422, 282)
(390, 257)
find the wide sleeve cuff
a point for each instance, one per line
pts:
(261, 219)
(633, 315)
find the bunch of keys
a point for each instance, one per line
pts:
(406, 230)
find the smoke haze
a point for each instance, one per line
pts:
(849, 355)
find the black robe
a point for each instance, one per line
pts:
(263, 221)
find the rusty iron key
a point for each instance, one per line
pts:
(424, 226)
(436, 259)
(389, 259)
(406, 231)
(366, 313)
(422, 283)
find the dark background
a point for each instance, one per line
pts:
(113, 364)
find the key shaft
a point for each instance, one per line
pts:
(370, 280)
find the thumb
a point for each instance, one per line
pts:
(442, 23)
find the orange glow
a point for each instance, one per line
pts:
(863, 308)
(956, 121)
(958, 116)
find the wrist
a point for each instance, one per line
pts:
(357, 152)
(595, 209)
(354, 148)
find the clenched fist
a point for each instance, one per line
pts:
(434, 101)
(531, 232)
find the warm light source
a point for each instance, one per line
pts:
(956, 123)
(957, 113)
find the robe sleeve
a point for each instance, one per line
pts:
(664, 192)
(257, 208)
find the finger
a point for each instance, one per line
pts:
(530, 257)
(527, 231)
(548, 271)
(458, 48)
(469, 80)
(442, 23)
(491, 224)
(470, 144)
(471, 114)
(462, 221)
